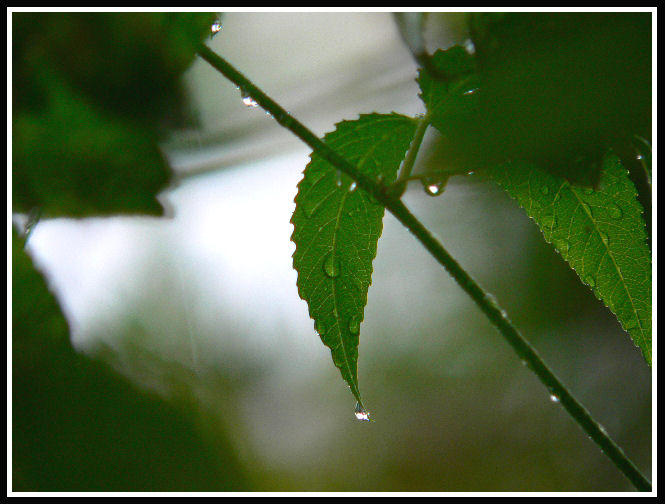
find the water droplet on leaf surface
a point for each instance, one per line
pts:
(331, 266)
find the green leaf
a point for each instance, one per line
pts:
(556, 90)
(92, 94)
(76, 160)
(600, 233)
(336, 230)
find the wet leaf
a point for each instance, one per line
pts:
(601, 233)
(92, 95)
(337, 227)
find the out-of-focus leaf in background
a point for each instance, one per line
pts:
(79, 426)
(555, 89)
(600, 233)
(92, 93)
(337, 227)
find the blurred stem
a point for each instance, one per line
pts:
(484, 300)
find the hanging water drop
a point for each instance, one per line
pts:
(554, 398)
(248, 100)
(353, 186)
(433, 187)
(215, 27)
(361, 413)
(331, 266)
(469, 46)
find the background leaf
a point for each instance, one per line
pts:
(337, 227)
(92, 95)
(600, 233)
(554, 89)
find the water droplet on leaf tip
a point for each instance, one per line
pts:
(353, 186)
(554, 398)
(361, 413)
(331, 266)
(469, 46)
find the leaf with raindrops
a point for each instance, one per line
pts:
(336, 230)
(600, 232)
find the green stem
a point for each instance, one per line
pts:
(485, 301)
(411, 155)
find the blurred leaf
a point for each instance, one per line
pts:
(336, 230)
(600, 233)
(79, 426)
(126, 62)
(558, 87)
(76, 160)
(553, 89)
(91, 94)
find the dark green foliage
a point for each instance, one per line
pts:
(92, 93)
(554, 89)
(79, 426)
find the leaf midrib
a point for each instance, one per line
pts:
(336, 314)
